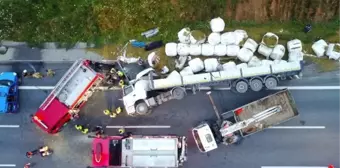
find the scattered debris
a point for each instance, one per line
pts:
(150, 33)
(153, 45)
(333, 51)
(319, 48)
(217, 25)
(196, 65)
(184, 35)
(180, 62)
(171, 49)
(197, 37)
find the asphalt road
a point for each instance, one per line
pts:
(292, 147)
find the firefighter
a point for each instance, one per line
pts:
(106, 112)
(43, 149)
(120, 74)
(113, 70)
(121, 131)
(118, 110)
(24, 73)
(79, 127)
(85, 130)
(121, 83)
(37, 75)
(113, 115)
(50, 72)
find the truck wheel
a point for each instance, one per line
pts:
(241, 87)
(178, 93)
(142, 108)
(256, 85)
(271, 83)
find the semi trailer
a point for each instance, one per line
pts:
(149, 90)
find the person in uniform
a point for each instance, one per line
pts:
(50, 72)
(37, 75)
(121, 131)
(118, 110)
(106, 112)
(113, 115)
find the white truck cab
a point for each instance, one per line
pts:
(204, 137)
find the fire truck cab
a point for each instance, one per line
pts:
(67, 97)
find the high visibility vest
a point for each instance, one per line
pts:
(121, 83)
(107, 112)
(85, 131)
(78, 127)
(113, 115)
(112, 70)
(121, 131)
(118, 110)
(120, 73)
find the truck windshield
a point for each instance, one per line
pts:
(127, 90)
(6, 83)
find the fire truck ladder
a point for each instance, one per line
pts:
(256, 118)
(61, 84)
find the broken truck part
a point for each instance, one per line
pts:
(244, 121)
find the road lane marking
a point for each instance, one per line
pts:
(293, 167)
(8, 165)
(9, 126)
(297, 127)
(201, 88)
(138, 126)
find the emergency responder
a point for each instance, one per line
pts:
(106, 112)
(118, 110)
(121, 131)
(121, 83)
(50, 72)
(113, 70)
(113, 115)
(120, 74)
(37, 75)
(27, 165)
(99, 131)
(43, 149)
(82, 129)
(24, 73)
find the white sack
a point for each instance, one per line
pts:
(241, 33)
(153, 59)
(186, 71)
(195, 49)
(264, 50)
(211, 64)
(183, 49)
(196, 65)
(208, 49)
(295, 56)
(244, 54)
(279, 61)
(331, 53)
(214, 38)
(184, 35)
(171, 49)
(229, 38)
(278, 52)
(217, 25)
(319, 48)
(229, 66)
(294, 45)
(232, 50)
(220, 50)
(254, 62)
(242, 65)
(267, 62)
(251, 45)
(270, 35)
(197, 37)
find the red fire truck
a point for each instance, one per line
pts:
(139, 151)
(68, 96)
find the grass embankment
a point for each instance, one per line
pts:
(111, 23)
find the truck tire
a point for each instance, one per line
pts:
(241, 86)
(142, 108)
(270, 83)
(256, 85)
(178, 93)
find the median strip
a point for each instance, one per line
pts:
(201, 88)
(297, 127)
(139, 126)
(9, 126)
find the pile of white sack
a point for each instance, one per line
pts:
(217, 44)
(294, 48)
(321, 48)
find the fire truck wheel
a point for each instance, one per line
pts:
(256, 85)
(241, 87)
(271, 83)
(142, 108)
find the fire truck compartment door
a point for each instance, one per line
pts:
(78, 89)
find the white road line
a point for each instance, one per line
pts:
(293, 167)
(201, 88)
(8, 165)
(139, 126)
(297, 127)
(9, 126)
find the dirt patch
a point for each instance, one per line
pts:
(282, 10)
